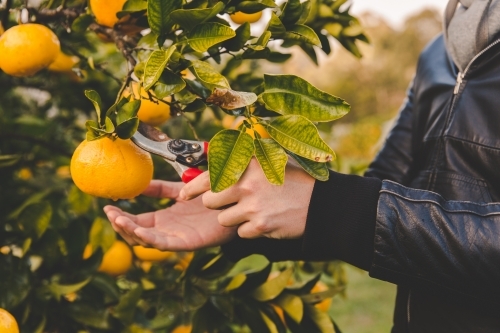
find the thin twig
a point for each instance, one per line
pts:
(190, 126)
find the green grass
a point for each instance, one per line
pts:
(368, 305)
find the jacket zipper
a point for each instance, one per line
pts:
(461, 76)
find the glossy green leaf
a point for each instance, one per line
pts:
(290, 94)
(230, 99)
(321, 319)
(79, 201)
(269, 323)
(59, 290)
(315, 169)
(276, 27)
(306, 11)
(35, 218)
(353, 30)
(278, 57)
(208, 75)
(239, 40)
(158, 17)
(94, 97)
(37, 197)
(272, 159)
(228, 157)
(250, 264)
(155, 66)
(82, 22)
(101, 234)
(196, 106)
(126, 306)
(205, 35)
(9, 160)
(292, 11)
(106, 284)
(300, 136)
(15, 283)
(292, 305)
(236, 282)
(168, 84)
(126, 129)
(272, 288)
(262, 41)
(302, 33)
(90, 315)
(135, 6)
(190, 18)
(254, 6)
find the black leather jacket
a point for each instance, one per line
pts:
(438, 219)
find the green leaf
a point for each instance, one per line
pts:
(94, 97)
(292, 12)
(272, 159)
(168, 84)
(9, 160)
(262, 41)
(228, 157)
(302, 33)
(15, 284)
(205, 35)
(35, 198)
(155, 66)
(79, 201)
(254, 6)
(306, 10)
(35, 218)
(132, 6)
(90, 315)
(272, 288)
(126, 129)
(109, 127)
(290, 94)
(231, 99)
(101, 234)
(82, 22)
(292, 305)
(353, 30)
(238, 41)
(127, 111)
(59, 290)
(315, 169)
(190, 18)
(159, 12)
(236, 282)
(106, 284)
(321, 319)
(301, 137)
(208, 75)
(270, 324)
(126, 307)
(196, 106)
(278, 57)
(276, 27)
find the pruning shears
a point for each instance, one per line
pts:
(184, 155)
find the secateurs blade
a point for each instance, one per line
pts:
(184, 155)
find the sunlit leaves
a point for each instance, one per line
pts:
(315, 169)
(203, 36)
(229, 154)
(292, 305)
(94, 97)
(168, 84)
(158, 17)
(79, 201)
(272, 159)
(101, 234)
(155, 66)
(208, 75)
(290, 94)
(302, 33)
(58, 290)
(189, 18)
(35, 218)
(272, 288)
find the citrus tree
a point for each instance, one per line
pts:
(75, 70)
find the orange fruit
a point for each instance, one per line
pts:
(151, 113)
(240, 17)
(228, 121)
(27, 49)
(184, 261)
(63, 63)
(256, 128)
(324, 305)
(2, 30)
(25, 174)
(105, 11)
(116, 261)
(8, 323)
(114, 169)
(183, 329)
(151, 254)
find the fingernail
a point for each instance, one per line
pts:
(182, 195)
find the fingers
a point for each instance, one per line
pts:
(231, 217)
(161, 241)
(163, 189)
(146, 220)
(125, 224)
(197, 186)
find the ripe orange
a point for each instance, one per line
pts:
(325, 304)
(151, 254)
(114, 169)
(151, 113)
(183, 329)
(116, 261)
(256, 128)
(27, 48)
(184, 261)
(63, 63)
(228, 121)
(8, 323)
(240, 17)
(105, 11)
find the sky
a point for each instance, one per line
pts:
(396, 11)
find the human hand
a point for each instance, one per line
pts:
(257, 207)
(185, 226)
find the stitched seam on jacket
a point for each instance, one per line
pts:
(441, 206)
(434, 138)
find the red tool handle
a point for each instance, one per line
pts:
(190, 174)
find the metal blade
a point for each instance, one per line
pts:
(152, 133)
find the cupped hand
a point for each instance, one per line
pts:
(185, 226)
(255, 206)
